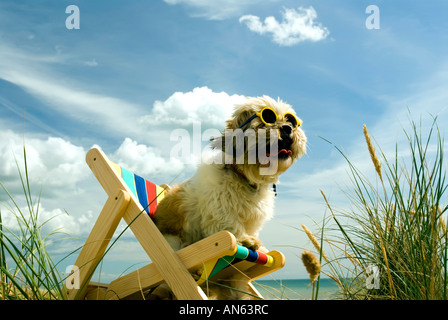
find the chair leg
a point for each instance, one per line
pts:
(163, 256)
(96, 244)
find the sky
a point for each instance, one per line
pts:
(132, 73)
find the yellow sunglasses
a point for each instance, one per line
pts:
(269, 117)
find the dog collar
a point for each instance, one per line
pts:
(243, 176)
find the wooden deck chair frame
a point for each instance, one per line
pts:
(168, 266)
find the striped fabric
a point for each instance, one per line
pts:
(241, 253)
(149, 195)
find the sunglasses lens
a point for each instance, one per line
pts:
(269, 116)
(292, 120)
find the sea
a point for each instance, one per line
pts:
(297, 289)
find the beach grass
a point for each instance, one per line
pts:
(27, 270)
(392, 241)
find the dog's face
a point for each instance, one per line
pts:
(277, 144)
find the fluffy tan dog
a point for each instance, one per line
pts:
(235, 194)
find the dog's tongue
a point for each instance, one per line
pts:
(288, 152)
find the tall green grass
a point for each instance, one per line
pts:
(27, 271)
(395, 225)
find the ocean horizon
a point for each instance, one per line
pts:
(296, 289)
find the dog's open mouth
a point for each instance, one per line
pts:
(284, 151)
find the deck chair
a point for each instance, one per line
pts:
(135, 200)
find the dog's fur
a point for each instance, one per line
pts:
(233, 197)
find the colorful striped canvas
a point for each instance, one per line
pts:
(241, 253)
(147, 193)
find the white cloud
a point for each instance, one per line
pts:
(50, 220)
(296, 26)
(56, 168)
(182, 109)
(145, 160)
(186, 121)
(54, 162)
(91, 63)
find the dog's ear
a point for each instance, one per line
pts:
(239, 116)
(217, 143)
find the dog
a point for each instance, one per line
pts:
(235, 194)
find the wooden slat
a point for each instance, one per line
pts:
(193, 257)
(96, 291)
(98, 240)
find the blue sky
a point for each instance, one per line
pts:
(137, 70)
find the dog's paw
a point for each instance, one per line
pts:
(263, 249)
(197, 274)
(251, 242)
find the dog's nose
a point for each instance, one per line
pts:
(287, 130)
